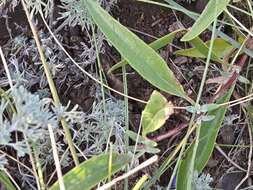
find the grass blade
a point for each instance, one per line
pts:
(5, 181)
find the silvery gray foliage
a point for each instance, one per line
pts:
(94, 129)
(23, 56)
(3, 161)
(31, 118)
(201, 182)
(74, 13)
(26, 68)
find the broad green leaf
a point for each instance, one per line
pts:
(213, 9)
(208, 134)
(156, 45)
(137, 53)
(5, 181)
(156, 112)
(88, 174)
(220, 49)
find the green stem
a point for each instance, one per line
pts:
(194, 114)
(100, 70)
(38, 167)
(126, 117)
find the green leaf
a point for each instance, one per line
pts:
(185, 171)
(156, 45)
(213, 9)
(203, 49)
(88, 174)
(5, 181)
(195, 16)
(143, 140)
(220, 49)
(208, 134)
(137, 53)
(156, 112)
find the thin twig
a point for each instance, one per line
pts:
(249, 159)
(229, 159)
(6, 68)
(169, 133)
(56, 158)
(129, 173)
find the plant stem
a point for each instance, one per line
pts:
(38, 166)
(51, 85)
(126, 117)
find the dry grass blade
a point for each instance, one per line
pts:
(51, 84)
(56, 158)
(130, 172)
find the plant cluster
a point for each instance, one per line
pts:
(101, 136)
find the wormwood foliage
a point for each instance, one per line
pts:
(201, 182)
(30, 118)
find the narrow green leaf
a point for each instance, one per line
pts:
(208, 134)
(5, 181)
(220, 49)
(156, 45)
(213, 9)
(137, 53)
(156, 112)
(184, 171)
(91, 172)
(195, 16)
(165, 40)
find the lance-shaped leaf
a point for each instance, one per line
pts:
(213, 9)
(91, 172)
(137, 53)
(156, 45)
(207, 138)
(156, 112)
